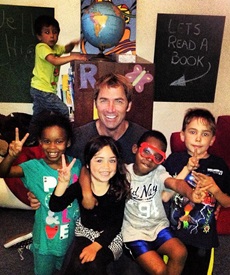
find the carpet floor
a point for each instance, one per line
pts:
(13, 222)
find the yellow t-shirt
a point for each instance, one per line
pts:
(45, 75)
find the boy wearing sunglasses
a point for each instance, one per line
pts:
(146, 232)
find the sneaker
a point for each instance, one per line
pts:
(23, 245)
(19, 240)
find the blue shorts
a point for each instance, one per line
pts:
(137, 248)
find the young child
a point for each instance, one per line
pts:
(145, 229)
(48, 60)
(98, 240)
(52, 232)
(194, 224)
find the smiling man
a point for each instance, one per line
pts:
(113, 99)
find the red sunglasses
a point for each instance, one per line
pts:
(151, 152)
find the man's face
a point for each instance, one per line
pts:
(112, 105)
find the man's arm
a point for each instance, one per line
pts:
(34, 202)
(88, 201)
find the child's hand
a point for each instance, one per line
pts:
(203, 180)
(16, 145)
(89, 253)
(79, 56)
(199, 194)
(76, 56)
(193, 162)
(34, 202)
(69, 47)
(209, 184)
(64, 173)
(75, 42)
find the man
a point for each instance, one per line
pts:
(113, 99)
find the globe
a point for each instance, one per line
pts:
(103, 25)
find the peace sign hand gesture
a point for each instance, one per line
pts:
(16, 145)
(64, 175)
(193, 162)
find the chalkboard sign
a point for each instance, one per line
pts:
(187, 53)
(17, 47)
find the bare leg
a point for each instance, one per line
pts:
(152, 263)
(177, 254)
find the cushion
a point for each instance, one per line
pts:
(223, 221)
(221, 146)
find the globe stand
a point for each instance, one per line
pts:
(101, 57)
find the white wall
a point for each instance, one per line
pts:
(167, 116)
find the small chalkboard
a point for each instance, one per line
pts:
(187, 53)
(17, 47)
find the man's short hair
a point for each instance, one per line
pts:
(114, 80)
